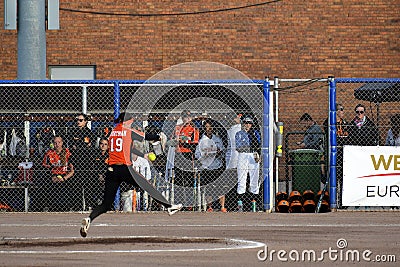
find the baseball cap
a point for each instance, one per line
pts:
(248, 120)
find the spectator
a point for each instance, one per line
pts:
(58, 162)
(81, 142)
(210, 153)
(341, 126)
(341, 138)
(362, 130)
(95, 186)
(248, 144)
(80, 136)
(187, 136)
(393, 135)
(313, 136)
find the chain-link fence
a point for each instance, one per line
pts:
(52, 135)
(54, 143)
(49, 157)
(367, 114)
(320, 118)
(197, 164)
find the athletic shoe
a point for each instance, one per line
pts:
(210, 209)
(174, 208)
(85, 227)
(224, 210)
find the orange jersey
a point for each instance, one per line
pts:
(52, 160)
(120, 144)
(187, 134)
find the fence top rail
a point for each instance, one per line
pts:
(367, 80)
(304, 80)
(184, 82)
(54, 84)
(124, 82)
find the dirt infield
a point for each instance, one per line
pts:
(201, 239)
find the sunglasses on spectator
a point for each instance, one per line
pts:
(104, 144)
(360, 111)
(80, 120)
(341, 109)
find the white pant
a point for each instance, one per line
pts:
(247, 165)
(126, 198)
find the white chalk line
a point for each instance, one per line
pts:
(243, 244)
(198, 225)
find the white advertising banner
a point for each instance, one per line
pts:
(371, 176)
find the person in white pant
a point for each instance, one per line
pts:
(248, 143)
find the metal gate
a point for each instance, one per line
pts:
(301, 106)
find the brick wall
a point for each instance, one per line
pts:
(290, 39)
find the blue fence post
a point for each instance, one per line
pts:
(117, 106)
(333, 143)
(265, 147)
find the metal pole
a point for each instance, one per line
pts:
(84, 99)
(27, 130)
(276, 86)
(117, 105)
(199, 192)
(332, 142)
(26, 192)
(266, 148)
(117, 100)
(31, 40)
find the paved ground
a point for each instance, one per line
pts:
(201, 239)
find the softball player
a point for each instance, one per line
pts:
(248, 143)
(120, 170)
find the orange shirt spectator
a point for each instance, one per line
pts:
(188, 135)
(58, 161)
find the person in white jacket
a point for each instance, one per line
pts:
(210, 153)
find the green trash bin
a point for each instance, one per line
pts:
(306, 169)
